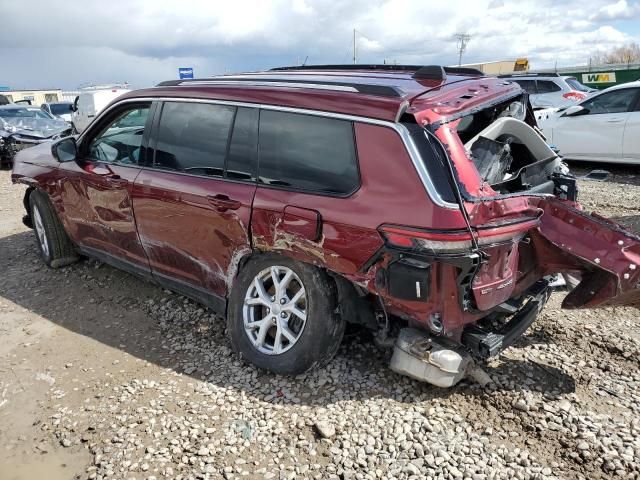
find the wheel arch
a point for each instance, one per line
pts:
(354, 305)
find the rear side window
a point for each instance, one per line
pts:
(547, 86)
(193, 137)
(529, 86)
(307, 152)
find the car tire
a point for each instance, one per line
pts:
(299, 331)
(54, 245)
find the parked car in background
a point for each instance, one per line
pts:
(548, 90)
(418, 202)
(90, 103)
(4, 100)
(24, 126)
(602, 128)
(62, 110)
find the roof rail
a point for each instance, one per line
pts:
(256, 81)
(382, 67)
(525, 74)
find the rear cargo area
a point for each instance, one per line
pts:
(511, 182)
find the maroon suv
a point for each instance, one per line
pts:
(417, 201)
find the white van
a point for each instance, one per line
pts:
(90, 102)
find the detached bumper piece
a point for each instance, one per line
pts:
(489, 344)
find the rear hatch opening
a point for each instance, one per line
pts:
(510, 181)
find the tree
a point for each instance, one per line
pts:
(629, 53)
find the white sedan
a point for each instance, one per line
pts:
(602, 128)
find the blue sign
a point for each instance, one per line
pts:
(185, 72)
(4, 89)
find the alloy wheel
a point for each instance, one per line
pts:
(40, 232)
(275, 310)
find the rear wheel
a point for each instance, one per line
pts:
(283, 315)
(56, 249)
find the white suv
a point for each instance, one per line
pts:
(550, 90)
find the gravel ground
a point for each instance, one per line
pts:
(105, 376)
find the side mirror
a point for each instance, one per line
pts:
(65, 150)
(574, 111)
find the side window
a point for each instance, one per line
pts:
(243, 150)
(193, 137)
(529, 86)
(307, 152)
(547, 86)
(121, 140)
(617, 101)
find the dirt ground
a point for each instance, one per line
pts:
(103, 375)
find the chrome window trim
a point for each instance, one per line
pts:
(400, 129)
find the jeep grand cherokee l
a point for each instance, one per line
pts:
(417, 201)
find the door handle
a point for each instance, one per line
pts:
(223, 203)
(615, 120)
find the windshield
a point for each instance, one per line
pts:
(576, 85)
(24, 113)
(60, 108)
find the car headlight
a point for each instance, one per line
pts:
(10, 128)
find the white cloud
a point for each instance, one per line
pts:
(146, 39)
(617, 11)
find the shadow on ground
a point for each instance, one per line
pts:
(122, 311)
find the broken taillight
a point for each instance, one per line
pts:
(454, 241)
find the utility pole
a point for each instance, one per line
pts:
(355, 53)
(462, 40)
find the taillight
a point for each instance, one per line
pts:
(454, 241)
(431, 241)
(574, 96)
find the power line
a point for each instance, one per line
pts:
(461, 39)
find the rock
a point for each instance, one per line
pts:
(325, 429)
(521, 405)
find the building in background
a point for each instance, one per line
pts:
(601, 76)
(500, 67)
(35, 96)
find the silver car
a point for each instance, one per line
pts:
(550, 90)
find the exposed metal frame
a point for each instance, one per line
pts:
(400, 129)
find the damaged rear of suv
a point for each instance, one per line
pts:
(419, 202)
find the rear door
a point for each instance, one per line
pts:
(598, 134)
(193, 200)
(96, 190)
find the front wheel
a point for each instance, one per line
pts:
(283, 315)
(56, 249)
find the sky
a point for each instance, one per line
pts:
(70, 43)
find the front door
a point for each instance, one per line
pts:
(193, 200)
(96, 192)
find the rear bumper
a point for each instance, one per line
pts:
(486, 344)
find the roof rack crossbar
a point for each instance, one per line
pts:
(370, 89)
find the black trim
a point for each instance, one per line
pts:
(117, 262)
(206, 297)
(200, 295)
(381, 67)
(489, 344)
